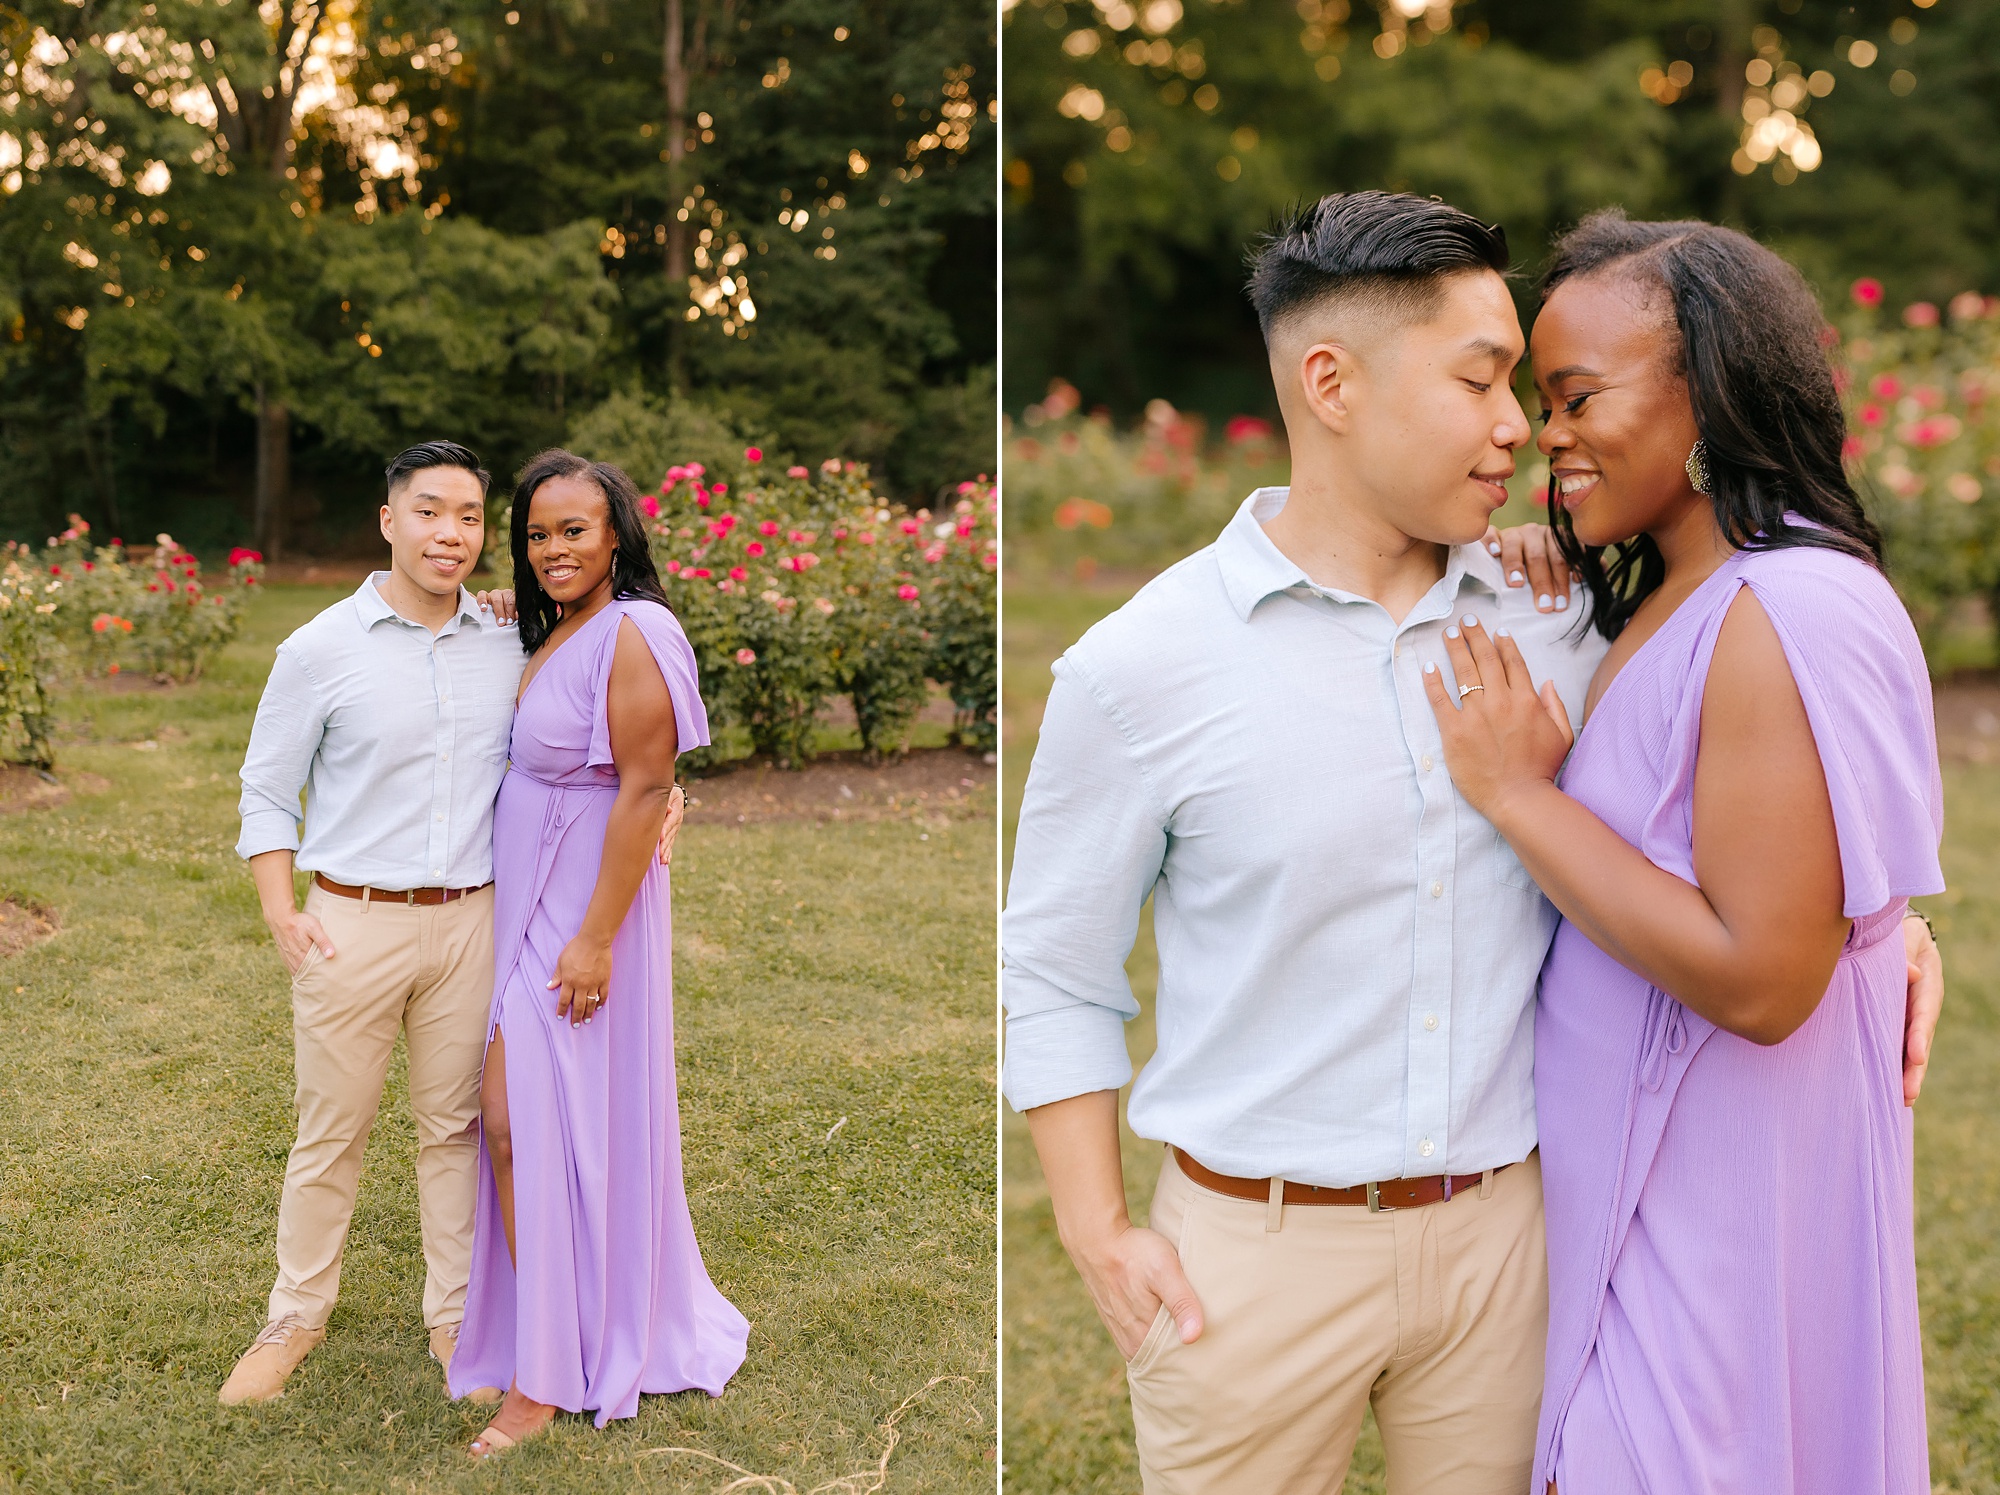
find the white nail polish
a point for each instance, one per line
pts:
(1515, 578)
(1471, 621)
(1493, 550)
(1451, 633)
(1544, 600)
(1429, 668)
(1501, 633)
(1562, 603)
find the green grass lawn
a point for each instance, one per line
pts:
(1068, 1427)
(834, 1040)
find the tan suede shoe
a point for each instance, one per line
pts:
(444, 1344)
(261, 1374)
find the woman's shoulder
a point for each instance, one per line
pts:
(1818, 580)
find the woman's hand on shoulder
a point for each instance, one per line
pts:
(1530, 557)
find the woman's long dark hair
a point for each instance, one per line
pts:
(1764, 400)
(632, 571)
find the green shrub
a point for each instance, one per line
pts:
(30, 602)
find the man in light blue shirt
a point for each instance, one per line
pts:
(1349, 1210)
(391, 711)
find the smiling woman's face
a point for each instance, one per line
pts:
(1618, 423)
(570, 543)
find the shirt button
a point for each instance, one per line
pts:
(1426, 1147)
(1426, 762)
(1430, 1022)
(1437, 888)
(440, 817)
(444, 757)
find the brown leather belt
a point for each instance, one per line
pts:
(1390, 1194)
(422, 897)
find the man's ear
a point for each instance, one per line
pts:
(388, 525)
(1327, 373)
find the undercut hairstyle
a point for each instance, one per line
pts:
(1750, 342)
(633, 574)
(1383, 252)
(433, 454)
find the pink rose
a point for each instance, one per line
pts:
(907, 592)
(768, 528)
(1867, 291)
(1920, 314)
(753, 454)
(746, 656)
(651, 505)
(754, 548)
(797, 472)
(737, 573)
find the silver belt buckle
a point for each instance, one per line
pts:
(1375, 1204)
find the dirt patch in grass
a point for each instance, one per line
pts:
(844, 786)
(22, 925)
(23, 788)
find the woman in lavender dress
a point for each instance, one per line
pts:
(1754, 797)
(587, 1285)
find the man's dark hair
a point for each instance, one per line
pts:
(1390, 250)
(1752, 351)
(433, 454)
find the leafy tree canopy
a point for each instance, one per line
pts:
(1150, 141)
(248, 250)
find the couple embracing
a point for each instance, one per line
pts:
(483, 803)
(1533, 981)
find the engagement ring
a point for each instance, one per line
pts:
(1466, 690)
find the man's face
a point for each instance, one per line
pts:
(1431, 416)
(435, 523)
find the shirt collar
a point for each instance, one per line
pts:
(1253, 568)
(373, 607)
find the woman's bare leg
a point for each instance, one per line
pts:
(519, 1416)
(499, 1132)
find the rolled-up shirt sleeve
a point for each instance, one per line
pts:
(1091, 844)
(285, 736)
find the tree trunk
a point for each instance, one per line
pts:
(674, 78)
(274, 473)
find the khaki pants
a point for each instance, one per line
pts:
(1437, 1316)
(429, 973)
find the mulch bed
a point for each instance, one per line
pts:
(844, 786)
(29, 789)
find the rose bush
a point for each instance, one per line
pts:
(76, 608)
(1922, 390)
(798, 586)
(1081, 494)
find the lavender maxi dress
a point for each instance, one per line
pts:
(611, 1299)
(1732, 1272)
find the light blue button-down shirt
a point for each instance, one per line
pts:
(398, 738)
(1348, 951)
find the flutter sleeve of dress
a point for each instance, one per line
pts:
(675, 656)
(1860, 671)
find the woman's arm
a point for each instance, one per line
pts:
(1751, 948)
(644, 744)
